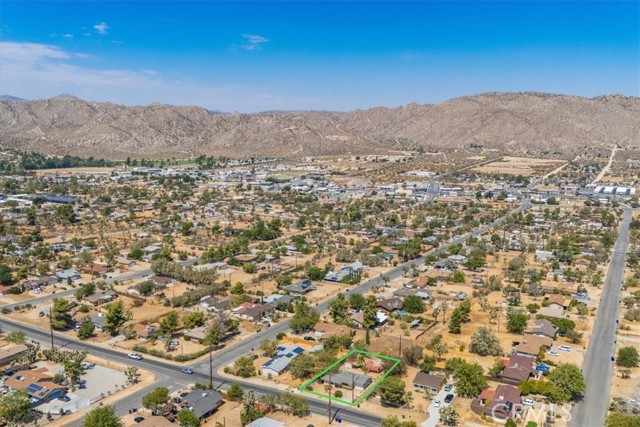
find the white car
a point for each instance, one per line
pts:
(136, 356)
(527, 402)
(553, 353)
(436, 403)
(565, 348)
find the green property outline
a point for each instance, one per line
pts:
(303, 388)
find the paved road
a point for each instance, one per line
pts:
(598, 368)
(169, 375)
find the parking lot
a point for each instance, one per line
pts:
(99, 381)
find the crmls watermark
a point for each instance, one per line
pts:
(541, 414)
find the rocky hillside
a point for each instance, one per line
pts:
(518, 123)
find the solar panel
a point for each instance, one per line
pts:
(33, 388)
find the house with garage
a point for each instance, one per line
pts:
(37, 383)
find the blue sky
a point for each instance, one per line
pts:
(256, 56)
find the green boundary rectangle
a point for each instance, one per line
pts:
(303, 388)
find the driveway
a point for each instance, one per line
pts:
(434, 413)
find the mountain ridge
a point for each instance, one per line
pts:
(517, 123)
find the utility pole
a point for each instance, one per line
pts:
(400, 348)
(328, 389)
(51, 327)
(353, 387)
(210, 368)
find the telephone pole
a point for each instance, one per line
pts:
(210, 368)
(328, 389)
(51, 326)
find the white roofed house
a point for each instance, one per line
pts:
(280, 362)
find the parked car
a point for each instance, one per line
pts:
(41, 314)
(88, 365)
(449, 398)
(138, 419)
(436, 403)
(136, 356)
(309, 339)
(565, 348)
(253, 357)
(553, 353)
(187, 371)
(527, 402)
(64, 398)
(448, 387)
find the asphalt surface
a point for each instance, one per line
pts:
(598, 366)
(169, 375)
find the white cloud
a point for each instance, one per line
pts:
(101, 28)
(36, 71)
(253, 41)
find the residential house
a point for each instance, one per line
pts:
(517, 369)
(266, 422)
(95, 269)
(38, 384)
(358, 318)
(500, 404)
(559, 300)
(100, 298)
(124, 262)
(428, 382)
(391, 305)
(198, 333)
(214, 303)
(99, 321)
(531, 345)
(68, 274)
(253, 311)
(144, 331)
(160, 282)
(542, 327)
(203, 402)
(347, 272)
(301, 287)
(11, 353)
(280, 362)
(347, 380)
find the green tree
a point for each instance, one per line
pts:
(304, 318)
(235, 392)
(169, 324)
(146, 288)
(193, 320)
(568, 378)
(339, 309)
(269, 347)
(413, 304)
(186, 418)
(116, 317)
(517, 321)
(394, 421)
(303, 366)
(213, 336)
(392, 390)
(357, 301)
(243, 367)
(628, 357)
(61, 314)
(6, 278)
(86, 329)
(102, 416)
(496, 369)
(155, 398)
(485, 343)
(617, 419)
(470, 380)
(65, 214)
(455, 323)
(449, 415)
(14, 407)
(16, 337)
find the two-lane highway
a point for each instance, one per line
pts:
(598, 366)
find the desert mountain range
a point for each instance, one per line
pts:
(515, 123)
